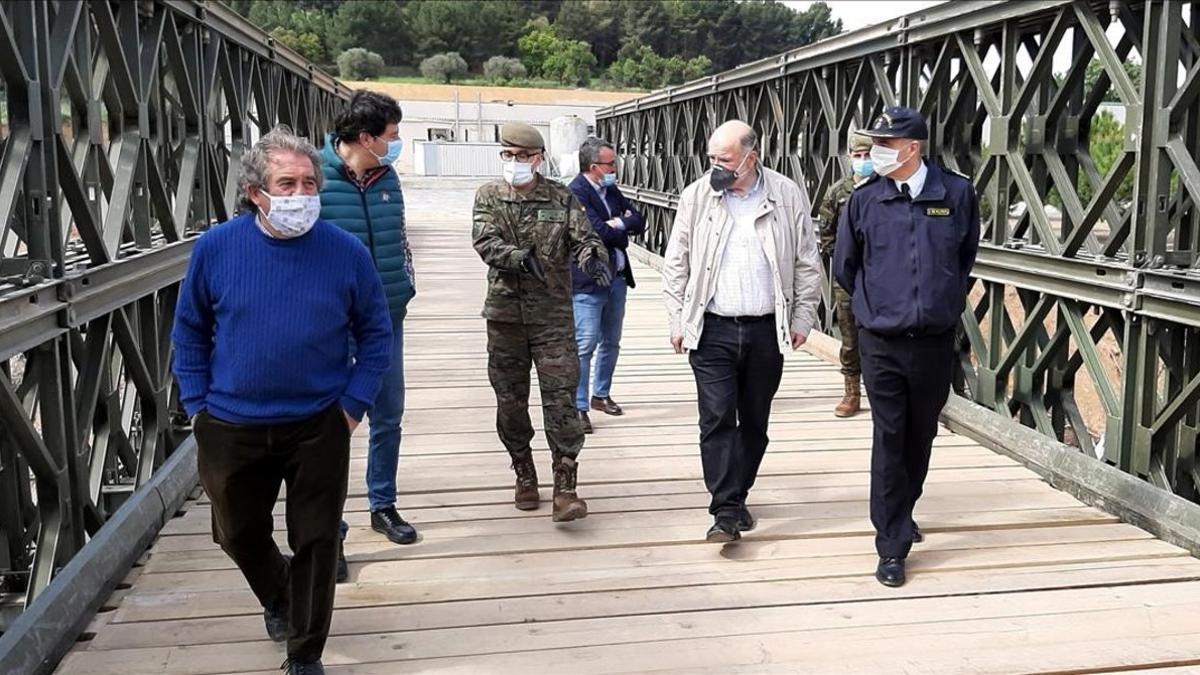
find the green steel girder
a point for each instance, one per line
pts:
(1103, 299)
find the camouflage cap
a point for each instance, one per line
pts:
(521, 135)
(859, 142)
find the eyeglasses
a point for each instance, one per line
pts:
(509, 156)
(612, 163)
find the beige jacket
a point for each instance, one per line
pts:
(698, 236)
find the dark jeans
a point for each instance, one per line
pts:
(738, 366)
(908, 381)
(241, 469)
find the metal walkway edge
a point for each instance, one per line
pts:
(1014, 575)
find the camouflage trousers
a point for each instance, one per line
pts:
(849, 330)
(512, 349)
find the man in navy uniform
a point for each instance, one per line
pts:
(906, 243)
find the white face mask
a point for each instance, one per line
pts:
(518, 173)
(885, 160)
(293, 216)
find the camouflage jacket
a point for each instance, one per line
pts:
(831, 207)
(507, 225)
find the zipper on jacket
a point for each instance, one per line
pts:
(912, 228)
(362, 193)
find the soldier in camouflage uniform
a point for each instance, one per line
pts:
(528, 230)
(829, 210)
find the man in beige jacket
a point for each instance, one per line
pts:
(742, 281)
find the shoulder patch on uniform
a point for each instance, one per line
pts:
(954, 172)
(874, 177)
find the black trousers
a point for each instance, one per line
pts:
(738, 366)
(908, 381)
(241, 469)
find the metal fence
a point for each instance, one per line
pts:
(1084, 320)
(119, 124)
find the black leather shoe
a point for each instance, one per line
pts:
(275, 616)
(606, 405)
(918, 536)
(585, 422)
(294, 666)
(890, 572)
(723, 531)
(343, 570)
(746, 521)
(391, 525)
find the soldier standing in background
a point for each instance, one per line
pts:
(831, 206)
(528, 230)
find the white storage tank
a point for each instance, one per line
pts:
(567, 133)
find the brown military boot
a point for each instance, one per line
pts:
(526, 496)
(852, 401)
(567, 505)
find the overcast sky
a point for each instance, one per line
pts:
(857, 14)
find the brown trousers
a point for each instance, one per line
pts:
(241, 469)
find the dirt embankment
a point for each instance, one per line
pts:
(445, 92)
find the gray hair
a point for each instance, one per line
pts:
(589, 152)
(256, 163)
(749, 140)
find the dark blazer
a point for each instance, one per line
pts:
(613, 238)
(907, 262)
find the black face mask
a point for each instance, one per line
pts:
(721, 179)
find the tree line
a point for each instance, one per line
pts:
(633, 43)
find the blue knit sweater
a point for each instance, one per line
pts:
(263, 326)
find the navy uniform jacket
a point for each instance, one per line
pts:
(907, 263)
(613, 238)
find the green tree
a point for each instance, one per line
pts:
(240, 6)
(271, 14)
(504, 69)
(1092, 78)
(537, 45)
(375, 25)
(597, 22)
(648, 70)
(307, 45)
(572, 63)
(813, 24)
(359, 64)
(1106, 143)
(647, 23)
(444, 67)
(475, 29)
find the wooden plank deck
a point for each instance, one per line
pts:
(1014, 576)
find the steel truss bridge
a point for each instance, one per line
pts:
(122, 123)
(1100, 305)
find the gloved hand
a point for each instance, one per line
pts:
(531, 265)
(599, 271)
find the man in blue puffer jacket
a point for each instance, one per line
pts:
(362, 196)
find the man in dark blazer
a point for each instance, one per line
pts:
(600, 312)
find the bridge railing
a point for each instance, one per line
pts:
(1084, 320)
(121, 127)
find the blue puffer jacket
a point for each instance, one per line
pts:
(376, 216)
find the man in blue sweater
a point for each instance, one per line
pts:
(270, 289)
(362, 196)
